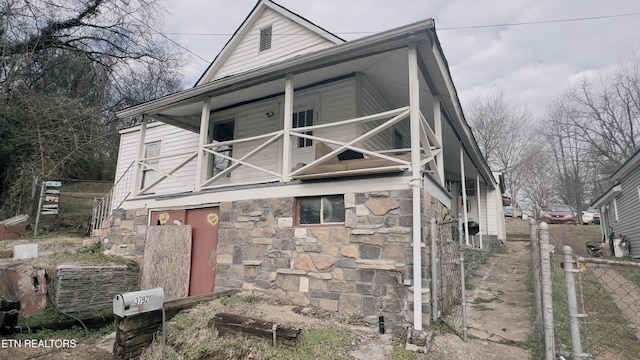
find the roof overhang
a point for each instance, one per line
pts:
(385, 41)
(382, 55)
(607, 196)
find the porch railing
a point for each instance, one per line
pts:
(429, 145)
(119, 192)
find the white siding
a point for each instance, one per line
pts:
(485, 211)
(372, 103)
(288, 40)
(173, 140)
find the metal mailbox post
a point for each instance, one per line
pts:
(137, 302)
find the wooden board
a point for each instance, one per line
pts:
(167, 260)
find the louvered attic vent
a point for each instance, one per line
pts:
(265, 38)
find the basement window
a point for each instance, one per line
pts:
(265, 38)
(320, 210)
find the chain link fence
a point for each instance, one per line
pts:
(605, 319)
(449, 289)
(591, 306)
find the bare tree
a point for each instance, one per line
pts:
(503, 132)
(568, 154)
(538, 178)
(605, 115)
(65, 67)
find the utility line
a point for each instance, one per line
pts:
(538, 22)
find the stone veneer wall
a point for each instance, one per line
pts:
(358, 268)
(91, 288)
(125, 233)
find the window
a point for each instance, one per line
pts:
(223, 131)
(149, 175)
(321, 210)
(615, 209)
(265, 38)
(302, 119)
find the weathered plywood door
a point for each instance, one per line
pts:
(204, 223)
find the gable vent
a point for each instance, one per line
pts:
(265, 38)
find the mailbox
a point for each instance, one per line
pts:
(137, 302)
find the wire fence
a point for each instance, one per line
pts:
(591, 308)
(449, 271)
(59, 206)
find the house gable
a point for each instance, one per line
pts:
(268, 35)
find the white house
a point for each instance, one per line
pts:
(309, 167)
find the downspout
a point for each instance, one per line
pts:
(480, 227)
(416, 177)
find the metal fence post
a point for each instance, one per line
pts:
(535, 256)
(434, 272)
(547, 292)
(463, 299)
(460, 235)
(572, 302)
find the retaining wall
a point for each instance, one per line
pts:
(83, 288)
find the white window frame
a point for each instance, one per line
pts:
(321, 223)
(302, 142)
(615, 209)
(147, 173)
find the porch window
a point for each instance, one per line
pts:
(265, 38)
(320, 210)
(223, 131)
(149, 175)
(301, 119)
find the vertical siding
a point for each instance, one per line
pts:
(628, 202)
(288, 40)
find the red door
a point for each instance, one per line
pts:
(204, 244)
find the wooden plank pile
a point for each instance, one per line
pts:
(232, 323)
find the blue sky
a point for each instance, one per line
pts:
(532, 63)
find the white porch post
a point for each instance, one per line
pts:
(416, 177)
(286, 137)
(437, 129)
(464, 196)
(137, 176)
(201, 167)
(479, 208)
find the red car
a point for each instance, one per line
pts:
(559, 214)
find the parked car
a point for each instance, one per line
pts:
(559, 214)
(591, 216)
(508, 211)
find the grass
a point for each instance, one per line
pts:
(89, 256)
(576, 236)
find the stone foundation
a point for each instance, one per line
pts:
(359, 268)
(125, 233)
